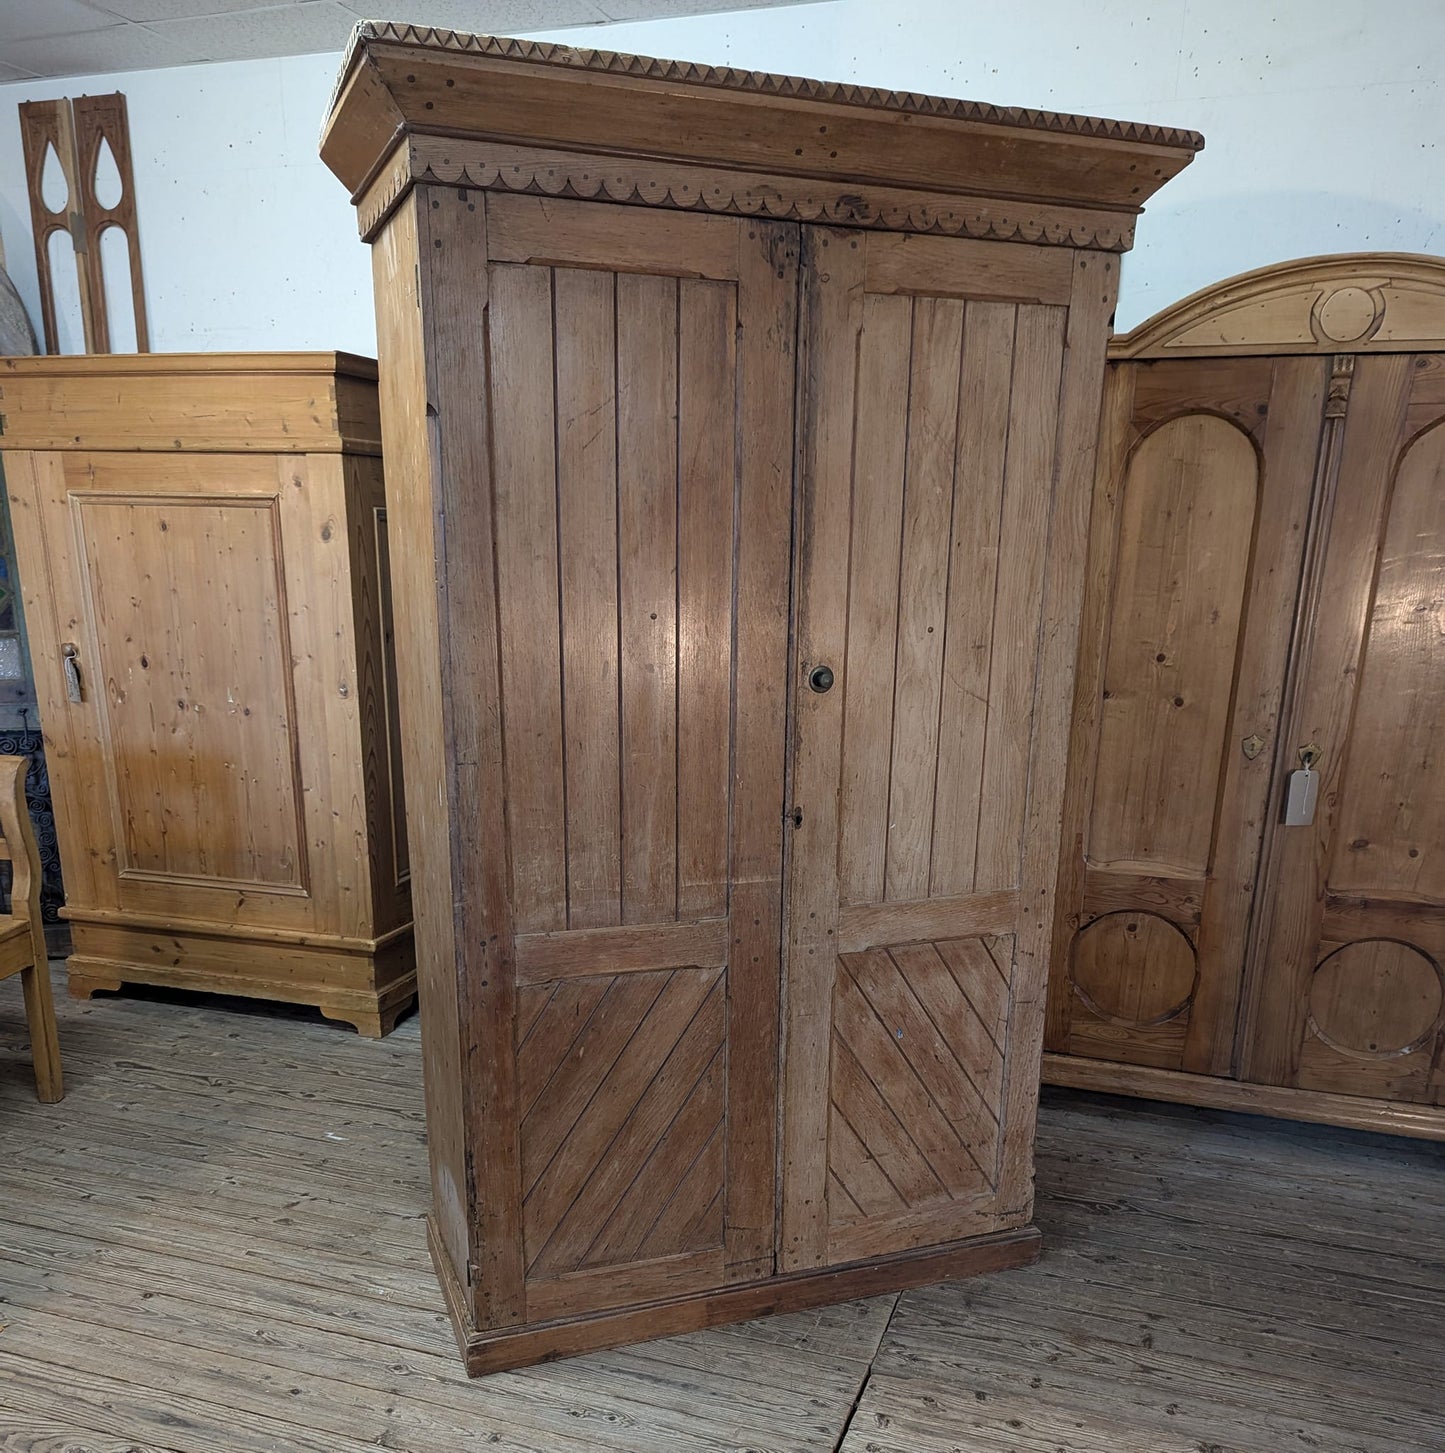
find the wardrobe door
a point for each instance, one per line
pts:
(1348, 995)
(933, 377)
(641, 397)
(189, 614)
(1200, 515)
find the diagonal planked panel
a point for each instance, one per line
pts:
(883, 977)
(859, 1106)
(982, 969)
(621, 1236)
(646, 1095)
(859, 1177)
(631, 1091)
(550, 1017)
(571, 1082)
(692, 1217)
(917, 1077)
(961, 1028)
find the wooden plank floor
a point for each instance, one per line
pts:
(214, 1245)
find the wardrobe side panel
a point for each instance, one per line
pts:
(412, 496)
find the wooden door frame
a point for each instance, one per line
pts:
(1343, 306)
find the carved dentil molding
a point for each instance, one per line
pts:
(650, 183)
(765, 83)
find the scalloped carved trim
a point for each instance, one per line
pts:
(1357, 302)
(837, 92)
(743, 194)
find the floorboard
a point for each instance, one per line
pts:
(214, 1244)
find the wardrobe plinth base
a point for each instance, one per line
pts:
(497, 1351)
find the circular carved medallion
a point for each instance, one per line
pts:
(1377, 998)
(1348, 314)
(1134, 969)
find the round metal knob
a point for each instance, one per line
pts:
(820, 678)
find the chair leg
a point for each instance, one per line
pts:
(44, 1042)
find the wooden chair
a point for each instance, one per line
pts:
(22, 938)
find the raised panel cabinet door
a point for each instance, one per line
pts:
(195, 687)
(1348, 994)
(641, 375)
(1201, 510)
(936, 395)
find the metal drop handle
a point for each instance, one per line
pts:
(71, 665)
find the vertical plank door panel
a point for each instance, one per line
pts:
(923, 591)
(928, 487)
(647, 491)
(642, 523)
(523, 383)
(706, 363)
(585, 343)
(985, 385)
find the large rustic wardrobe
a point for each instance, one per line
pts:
(1265, 580)
(739, 436)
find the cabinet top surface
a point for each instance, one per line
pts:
(485, 94)
(176, 365)
(281, 403)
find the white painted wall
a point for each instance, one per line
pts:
(1324, 119)
(247, 241)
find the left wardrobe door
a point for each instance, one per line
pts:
(637, 368)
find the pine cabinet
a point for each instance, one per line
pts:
(202, 545)
(739, 434)
(1264, 592)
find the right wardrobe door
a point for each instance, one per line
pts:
(1348, 990)
(940, 528)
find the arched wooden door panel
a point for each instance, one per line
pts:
(1198, 523)
(1351, 996)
